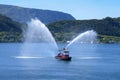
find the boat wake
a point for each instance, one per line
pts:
(27, 57)
(88, 57)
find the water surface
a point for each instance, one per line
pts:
(89, 62)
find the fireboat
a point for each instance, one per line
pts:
(63, 55)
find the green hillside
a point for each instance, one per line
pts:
(108, 29)
(10, 31)
(66, 30)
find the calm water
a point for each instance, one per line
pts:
(89, 62)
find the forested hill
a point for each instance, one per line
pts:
(10, 31)
(108, 29)
(24, 15)
(63, 30)
(8, 25)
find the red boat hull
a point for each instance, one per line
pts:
(63, 58)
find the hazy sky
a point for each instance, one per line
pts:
(80, 9)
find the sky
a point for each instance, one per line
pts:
(80, 9)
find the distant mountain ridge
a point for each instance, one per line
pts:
(24, 15)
